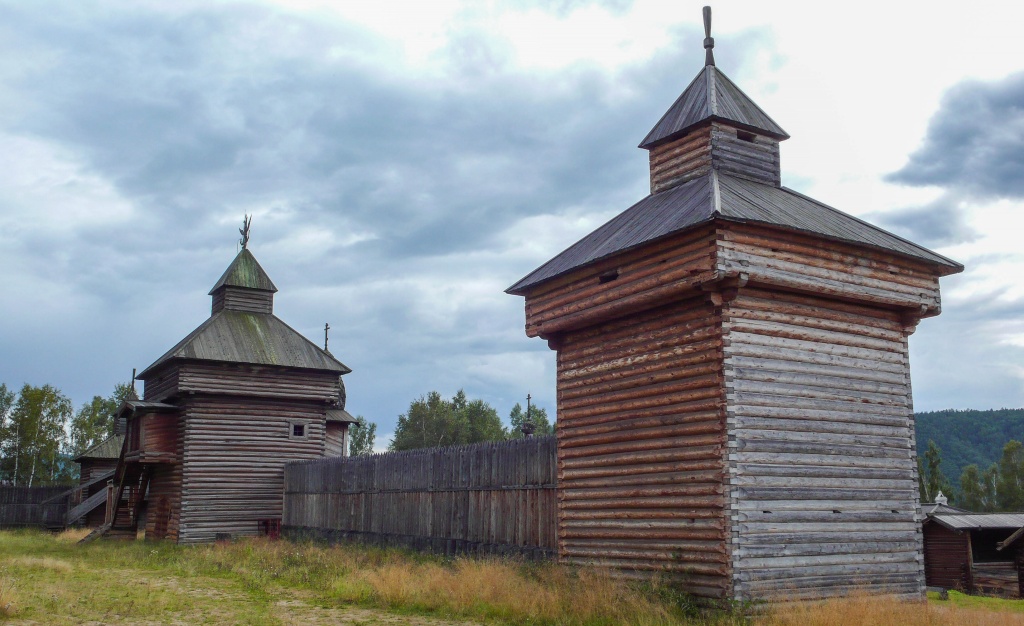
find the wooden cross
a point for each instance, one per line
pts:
(327, 327)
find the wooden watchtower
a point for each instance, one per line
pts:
(223, 412)
(734, 402)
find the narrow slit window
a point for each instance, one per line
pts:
(608, 277)
(745, 136)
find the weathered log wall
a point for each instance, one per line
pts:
(634, 281)
(719, 147)
(641, 443)
(32, 506)
(336, 442)
(91, 468)
(234, 454)
(1000, 579)
(792, 262)
(489, 497)
(242, 299)
(822, 471)
(241, 380)
(947, 558)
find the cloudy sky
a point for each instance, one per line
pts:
(407, 162)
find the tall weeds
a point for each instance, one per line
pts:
(8, 599)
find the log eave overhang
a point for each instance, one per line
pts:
(708, 121)
(947, 268)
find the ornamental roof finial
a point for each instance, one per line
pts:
(709, 41)
(244, 230)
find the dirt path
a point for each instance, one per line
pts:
(297, 612)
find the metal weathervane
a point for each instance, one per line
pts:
(244, 230)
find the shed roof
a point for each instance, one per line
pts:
(340, 416)
(711, 96)
(255, 338)
(720, 196)
(978, 521)
(132, 405)
(109, 448)
(245, 271)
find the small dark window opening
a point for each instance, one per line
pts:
(298, 430)
(608, 277)
(745, 136)
(836, 512)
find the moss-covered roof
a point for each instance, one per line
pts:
(245, 271)
(109, 448)
(254, 338)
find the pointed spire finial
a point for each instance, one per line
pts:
(709, 41)
(246, 222)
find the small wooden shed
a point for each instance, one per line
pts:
(733, 379)
(974, 552)
(223, 411)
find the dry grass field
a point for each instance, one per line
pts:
(47, 579)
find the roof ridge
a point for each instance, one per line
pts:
(716, 194)
(712, 104)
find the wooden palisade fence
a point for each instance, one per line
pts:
(33, 506)
(484, 498)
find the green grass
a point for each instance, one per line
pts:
(965, 601)
(46, 579)
(54, 581)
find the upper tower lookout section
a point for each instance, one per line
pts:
(713, 125)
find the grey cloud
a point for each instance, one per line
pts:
(196, 115)
(184, 124)
(940, 223)
(975, 142)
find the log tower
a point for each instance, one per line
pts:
(734, 402)
(223, 411)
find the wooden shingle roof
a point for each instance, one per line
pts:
(253, 338)
(109, 448)
(245, 271)
(719, 196)
(711, 96)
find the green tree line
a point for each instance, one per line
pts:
(1000, 487)
(40, 432)
(433, 420)
(968, 436)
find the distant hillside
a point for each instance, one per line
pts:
(969, 436)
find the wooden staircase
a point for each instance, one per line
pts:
(131, 494)
(124, 501)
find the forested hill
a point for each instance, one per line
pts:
(969, 436)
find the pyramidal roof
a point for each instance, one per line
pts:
(719, 193)
(720, 196)
(245, 271)
(711, 96)
(252, 338)
(239, 335)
